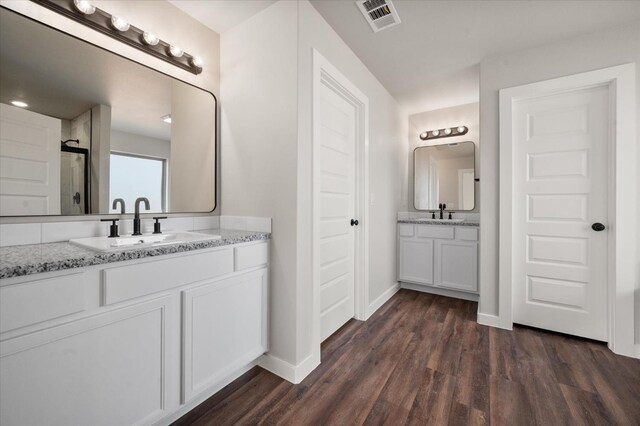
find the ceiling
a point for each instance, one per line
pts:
(431, 59)
(220, 15)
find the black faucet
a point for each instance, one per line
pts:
(136, 217)
(442, 208)
(115, 205)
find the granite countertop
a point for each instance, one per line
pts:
(427, 221)
(16, 261)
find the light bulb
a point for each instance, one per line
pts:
(19, 104)
(150, 38)
(119, 23)
(424, 135)
(166, 118)
(84, 6)
(196, 61)
(435, 132)
(447, 131)
(461, 129)
(175, 51)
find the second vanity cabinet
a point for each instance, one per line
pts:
(135, 342)
(438, 256)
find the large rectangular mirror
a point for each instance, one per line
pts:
(444, 174)
(81, 126)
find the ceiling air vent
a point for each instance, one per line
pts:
(380, 14)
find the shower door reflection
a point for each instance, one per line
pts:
(74, 176)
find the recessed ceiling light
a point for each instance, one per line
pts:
(19, 104)
(166, 118)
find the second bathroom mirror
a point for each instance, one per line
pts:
(444, 174)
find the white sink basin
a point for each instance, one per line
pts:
(130, 242)
(440, 220)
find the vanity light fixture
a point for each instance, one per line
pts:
(166, 118)
(120, 23)
(19, 104)
(150, 38)
(84, 6)
(175, 51)
(196, 61)
(118, 27)
(444, 133)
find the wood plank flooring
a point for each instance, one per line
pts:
(423, 360)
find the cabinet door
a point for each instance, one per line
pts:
(416, 260)
(457, 265)
(225, 328)
(106, 369)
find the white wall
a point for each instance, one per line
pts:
(258, 89)
(162, 18)
(461, 115)
(140, 145)
(266, 89)
(387, 166)
(572, 56)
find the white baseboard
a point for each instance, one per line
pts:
(441, 291)
(382, 299)
(632, 351)
(193, 403)
(491, 321)
(291, 373)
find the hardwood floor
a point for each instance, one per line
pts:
(422, 359)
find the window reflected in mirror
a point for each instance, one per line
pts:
(444, 174)
(149, 175)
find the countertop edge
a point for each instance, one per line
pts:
(430, 222)
(85, 257)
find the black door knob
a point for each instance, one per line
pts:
(354, 222)
(598, 227)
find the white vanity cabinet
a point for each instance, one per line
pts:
(136, 342)
(438, 257)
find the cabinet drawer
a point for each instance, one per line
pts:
(131, 281)
(444, 232)
(405, 230)
(467, 234)
(42, 300)
(251, 256)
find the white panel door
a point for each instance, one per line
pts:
(336, 205)
(106, 369)
(560, 190)
(29, 163)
